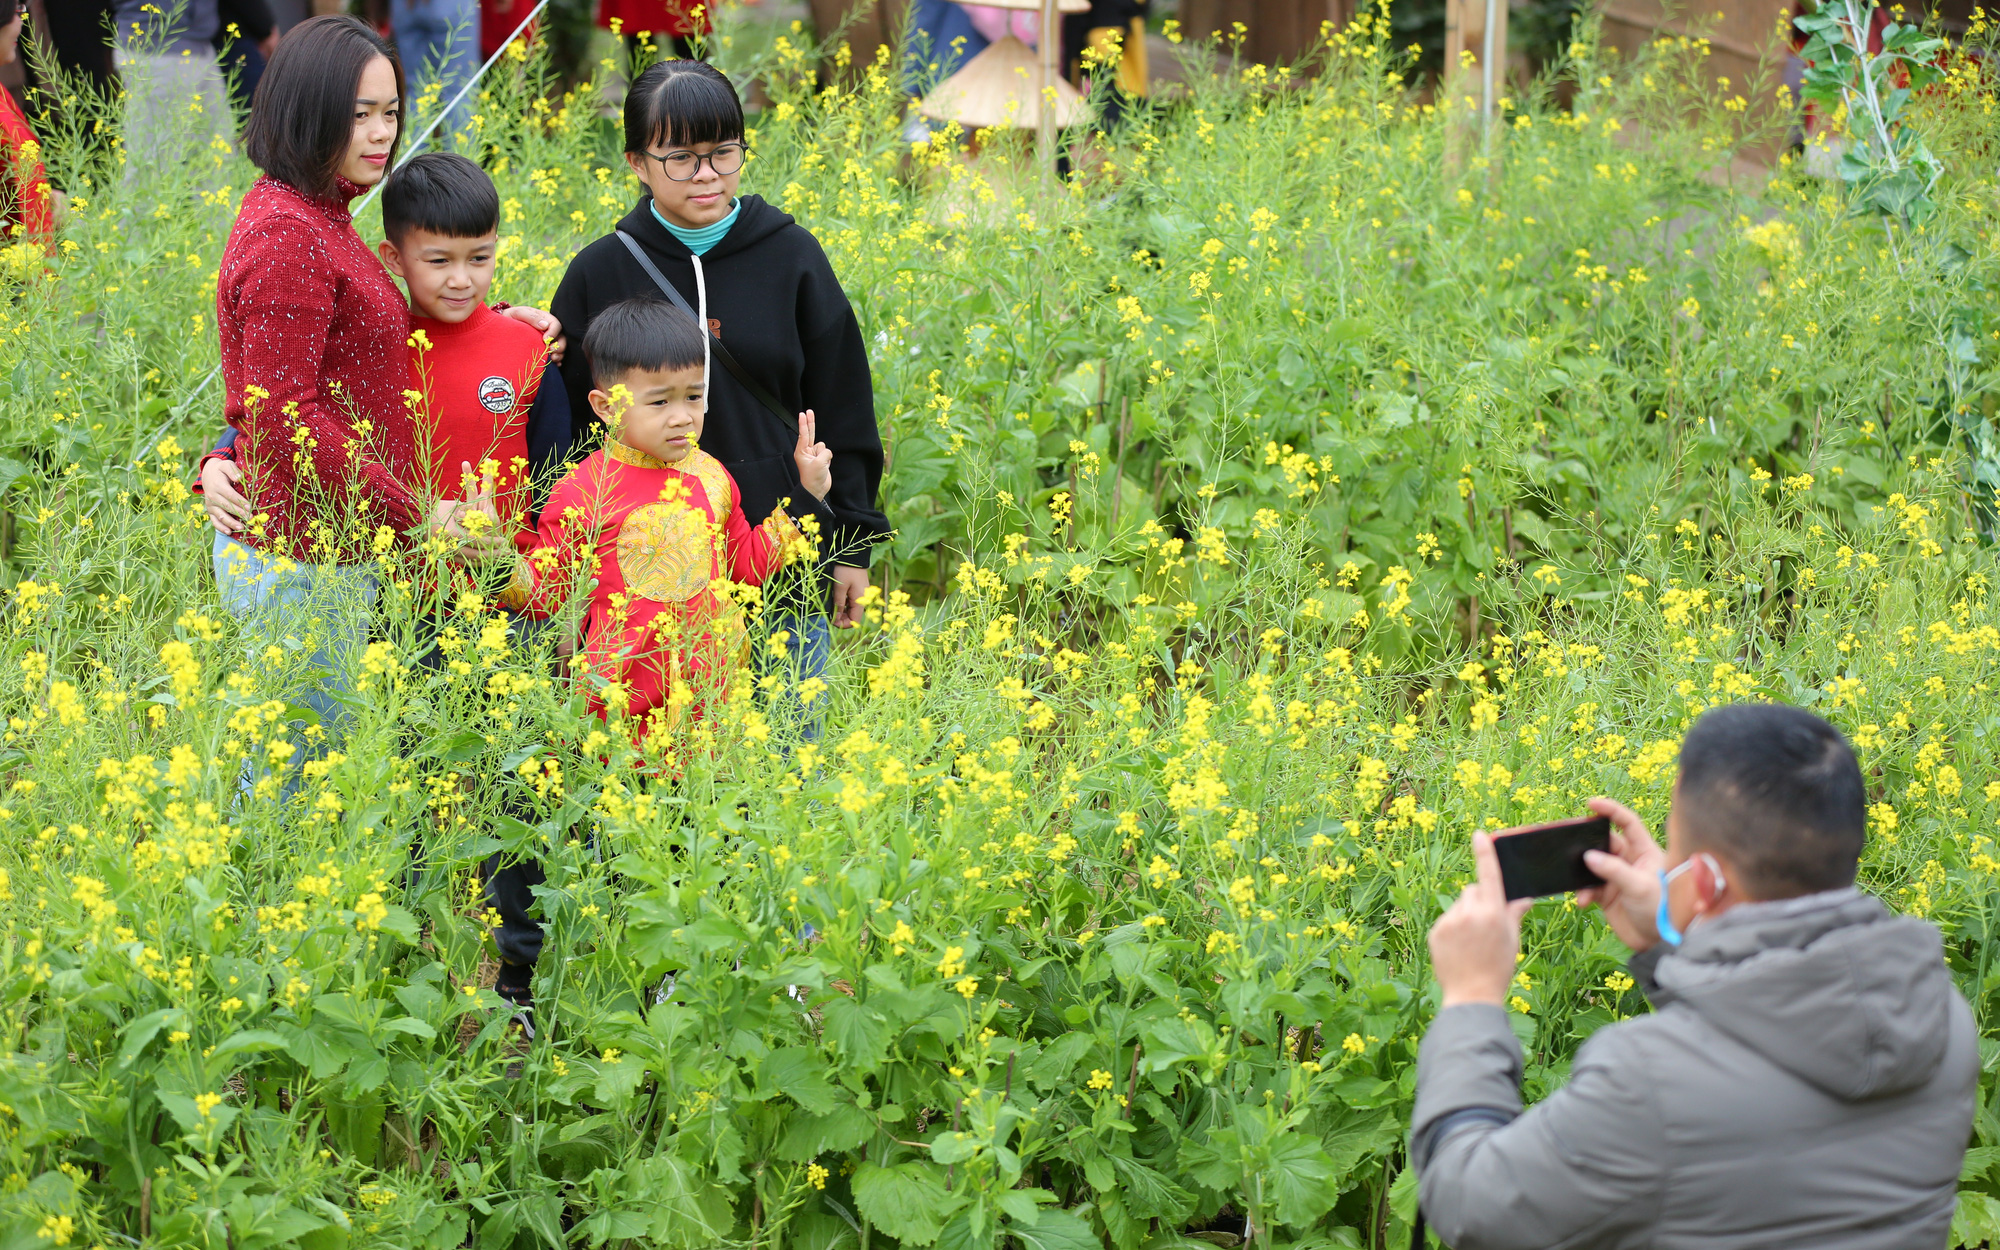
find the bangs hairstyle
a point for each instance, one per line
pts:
(1777, 789)
(681, 103)
(440, 192)
(636, 334)
(302, 117)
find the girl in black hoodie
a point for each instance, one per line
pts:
(771, 302)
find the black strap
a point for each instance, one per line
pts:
(715, 347)
(1417, 1231)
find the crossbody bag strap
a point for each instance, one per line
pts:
(715, 347)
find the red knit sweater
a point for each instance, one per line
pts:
(315, 356)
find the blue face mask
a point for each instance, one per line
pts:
(1663, 920)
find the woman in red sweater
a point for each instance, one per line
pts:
(315, 362)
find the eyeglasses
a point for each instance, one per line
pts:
(725, 159)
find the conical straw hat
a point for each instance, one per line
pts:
(1002, 86)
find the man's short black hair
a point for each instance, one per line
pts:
(443, 193)
(681, 103)
(1776, 789)
(639, 334)
(302, 117)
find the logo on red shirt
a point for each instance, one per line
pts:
(496, 394)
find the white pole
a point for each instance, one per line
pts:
(1486, 52)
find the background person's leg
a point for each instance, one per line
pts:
(176, 105)
(438, 41)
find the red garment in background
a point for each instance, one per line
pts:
(30, 205)
(497, 20)
(308, 316)
(678, 18)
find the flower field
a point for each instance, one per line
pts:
(1310, 484)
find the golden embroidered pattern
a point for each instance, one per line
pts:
(667, 552)
(714, 479)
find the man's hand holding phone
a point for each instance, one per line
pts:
(1630, 895)
(1474, 943)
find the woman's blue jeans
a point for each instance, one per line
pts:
(307, 626)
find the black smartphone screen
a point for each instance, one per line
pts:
(1537, 860)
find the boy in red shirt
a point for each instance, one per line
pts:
(655, 527)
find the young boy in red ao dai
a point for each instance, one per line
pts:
(659, 525)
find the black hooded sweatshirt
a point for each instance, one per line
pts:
(774, 302)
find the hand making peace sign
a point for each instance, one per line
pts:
(814, 459)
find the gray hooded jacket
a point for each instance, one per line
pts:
(1807, 1078)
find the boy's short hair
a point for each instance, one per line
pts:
(1777, 789)
(636, 334)
(441, 192)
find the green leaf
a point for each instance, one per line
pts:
(908, 1201)
(142, 1031)
(410, 1025)
(1056, 1230)
(961, 1232)
(807, 1136)
(800, 1073)
(1977, 1219)
(1214, 1162)
(1150, 1195)
(1058, 1062)
(253, 1040)
(619, 1080)
(1300, 1178)
(860, 1035)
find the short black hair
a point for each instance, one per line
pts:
(302, 117)
(681, 102)
(1778, 790)
(441, 192)
(639, 334)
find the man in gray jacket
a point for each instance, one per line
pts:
(1806, 1077)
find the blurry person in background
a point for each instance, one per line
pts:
(668, 25)
(1114, 32)
(78, 32)
(174, 93)
(27, 204)
(438, 43)
(248, 37)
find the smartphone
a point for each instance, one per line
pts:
(1537, 860)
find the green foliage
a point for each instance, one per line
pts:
(1275, 506)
